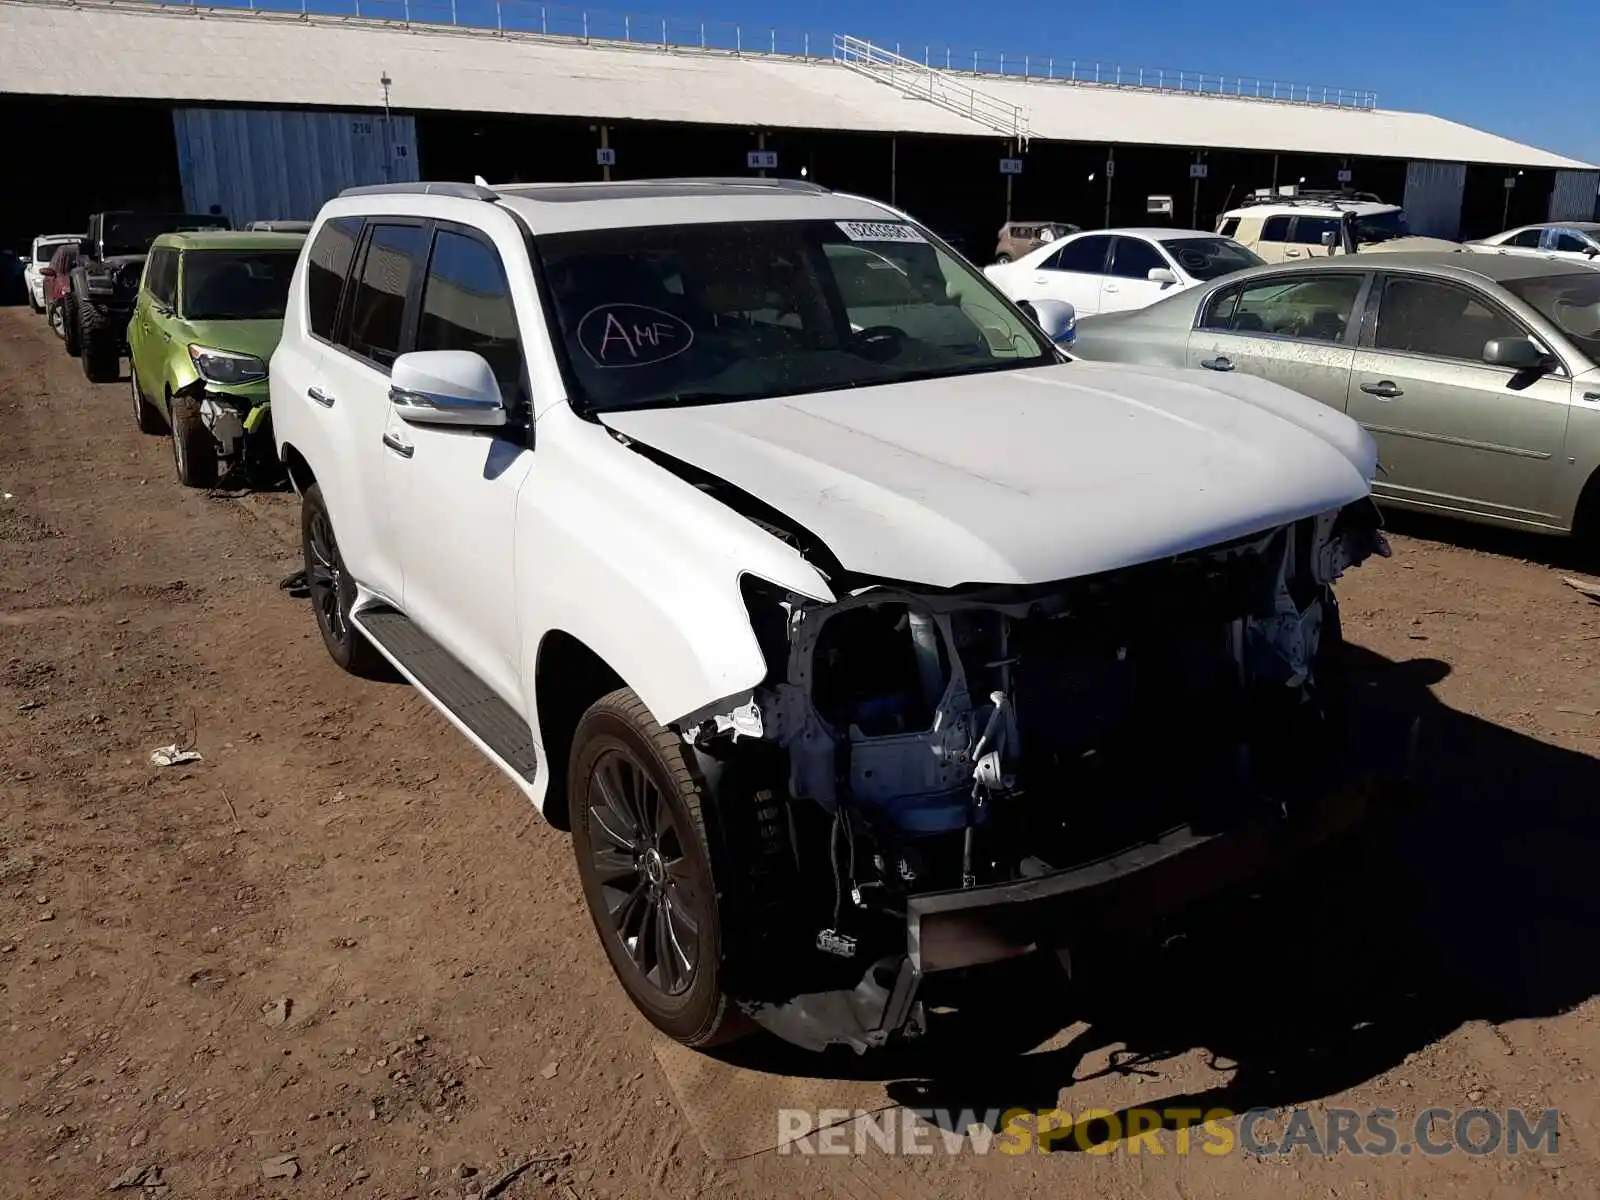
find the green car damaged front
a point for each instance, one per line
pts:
(222, 364)
(208, 317)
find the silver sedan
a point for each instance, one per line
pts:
(1478, 376)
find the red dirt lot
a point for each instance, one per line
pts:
(342, 936)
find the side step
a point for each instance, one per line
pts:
(453, 687)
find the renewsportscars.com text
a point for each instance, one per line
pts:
(1374, 1132)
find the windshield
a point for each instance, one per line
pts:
(738, 311)
(1569, 302)
(132, 233)
(1211, 258)
(1369, 228)
(236, 285)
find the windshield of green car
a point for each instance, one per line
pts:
(727, 311)
(1569, 302)
(236, 285)
(1369, 228)
(132, 233)
(1211, 258)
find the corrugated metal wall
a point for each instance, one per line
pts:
(1433, 198)
(1574, 197)
(282, 164)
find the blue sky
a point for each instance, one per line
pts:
(1522, 70)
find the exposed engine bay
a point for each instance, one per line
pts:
(914, 742)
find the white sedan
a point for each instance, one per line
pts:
(1113, 270)
(1578, 241)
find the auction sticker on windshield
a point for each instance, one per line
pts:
(879, 231)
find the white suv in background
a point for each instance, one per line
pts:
(766, 546)
(39, 256)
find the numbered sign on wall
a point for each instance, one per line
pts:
(1011, 166)
(1198, 170)
(762, 160)
(605, 157)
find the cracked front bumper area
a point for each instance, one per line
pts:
(1121, 894)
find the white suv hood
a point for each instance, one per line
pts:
(1025, 476)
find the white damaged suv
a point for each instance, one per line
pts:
(857, 633)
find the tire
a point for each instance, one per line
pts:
(55, 316)
(639, 835)
(333, 591)
(147, 417)
(1002, 258)
(69, 325)
(32, 304)
(97, 340)
(194, 450)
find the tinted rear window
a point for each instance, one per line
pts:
(327, 263)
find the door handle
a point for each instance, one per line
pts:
(1220, 363)
(1291, 254)
(320, 396)
(1383, 389)
(1592, 396)
(1111, 287)
(401, 447)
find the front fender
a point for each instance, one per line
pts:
(642, 568)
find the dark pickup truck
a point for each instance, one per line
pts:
(105, 283)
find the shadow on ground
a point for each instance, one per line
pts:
(1562, 553)
(1476, 902)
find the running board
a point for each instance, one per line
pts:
(464, 697)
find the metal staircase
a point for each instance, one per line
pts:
(922, 82)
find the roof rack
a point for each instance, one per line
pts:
(465, 191)
(1311, 196)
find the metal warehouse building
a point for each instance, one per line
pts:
(266, 113)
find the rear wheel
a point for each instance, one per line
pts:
(146, 416)
(194, 451)
(52, 314)
(1002, 258)
(640, 838)
(333, 591)
(68, 308)
(34, 304)
(98, 341)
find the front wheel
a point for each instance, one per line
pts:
(640, 840)
(194, 451)
(333, 591)
(52, 314)
(69, 325)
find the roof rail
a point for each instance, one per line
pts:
(465, 191)
(736, 181)
(1311, 196)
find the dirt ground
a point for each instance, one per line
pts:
(341, 936)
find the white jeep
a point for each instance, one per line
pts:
(857, 633)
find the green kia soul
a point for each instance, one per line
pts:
(207, 319)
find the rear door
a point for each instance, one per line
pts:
(1454, 432)
(1074, 273)
(1297, 329)
(1273, 244)
(348, 384)
(1127, 284)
